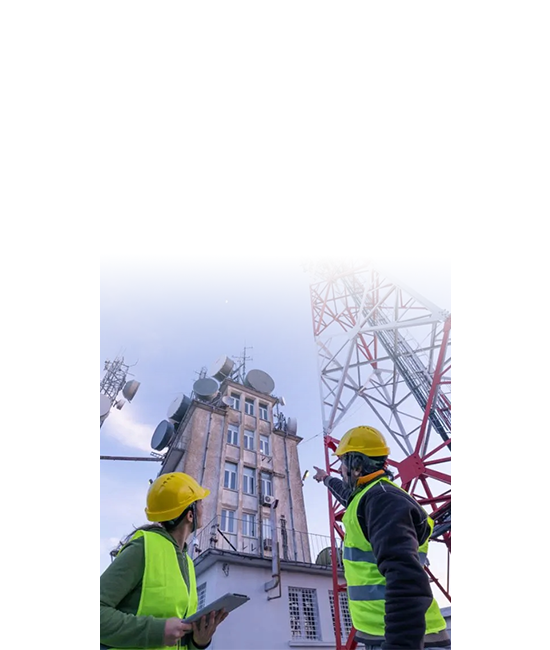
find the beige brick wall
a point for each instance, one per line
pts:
(206, 433)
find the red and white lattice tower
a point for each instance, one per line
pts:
(384, 348)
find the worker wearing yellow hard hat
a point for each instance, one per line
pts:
(365, 440)
(151, 586)
(385, 546)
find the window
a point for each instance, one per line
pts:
(345, 618)
(267, 484)
(235, 401)
(267, 534)
(304, 618)
(230, 476)
(249, 439)
(263, 411)
(249, 478)
(249, 406)
(249, 524)
(264, 445)
(228, 521)
(201, 594)
(233, 435)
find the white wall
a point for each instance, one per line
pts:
(260, 623)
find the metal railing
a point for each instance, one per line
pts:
(252, 537)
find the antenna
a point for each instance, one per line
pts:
(202, 373)
(130, 389)
(206, 388)
(242, 366)
(221, 368)
(260, 381)
(114, 381)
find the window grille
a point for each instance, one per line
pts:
(201, 594)
(304, 616)
(345, 617)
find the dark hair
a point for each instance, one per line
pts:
(367, 464)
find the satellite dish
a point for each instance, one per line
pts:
(207, 388)
(227, 400)
(120, 403)
(163, 435)
(221, 368)
(281, 400)
(130, 389)
(104, 404)
(260, 381)
(292, 426)
(178, 408)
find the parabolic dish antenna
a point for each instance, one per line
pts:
(104, 404)
(260, 381)
(163, 435)
(207, 388)
(221, 368)
(227, 400)
(292, 426)
(130, 389)
(178, 408)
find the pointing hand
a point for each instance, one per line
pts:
(320, 474)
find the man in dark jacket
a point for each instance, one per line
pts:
(385, 546)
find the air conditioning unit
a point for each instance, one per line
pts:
(268, 544)
(268, 500)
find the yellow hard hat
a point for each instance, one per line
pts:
(366, 440)
(170, 494)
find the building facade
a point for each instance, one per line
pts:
(242, 448)
(291, 608)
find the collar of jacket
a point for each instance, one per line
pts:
(363, 480)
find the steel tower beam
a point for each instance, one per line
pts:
(383, 345)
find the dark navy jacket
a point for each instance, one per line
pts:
(395, 525)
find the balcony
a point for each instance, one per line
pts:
(246, 537)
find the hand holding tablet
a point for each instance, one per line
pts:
(229, 602)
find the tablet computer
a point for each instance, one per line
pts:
(229, 602)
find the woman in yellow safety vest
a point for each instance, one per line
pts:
(150, 586)
(385, 546)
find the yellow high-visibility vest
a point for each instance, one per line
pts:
(366, 586)
(164, 593)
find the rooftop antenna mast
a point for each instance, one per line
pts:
(114, 381)
(240, 372)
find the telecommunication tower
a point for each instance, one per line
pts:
(383, 346)
(114, 381)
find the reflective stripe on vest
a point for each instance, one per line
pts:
(357, 555)
(366, 586)
(164, 593)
